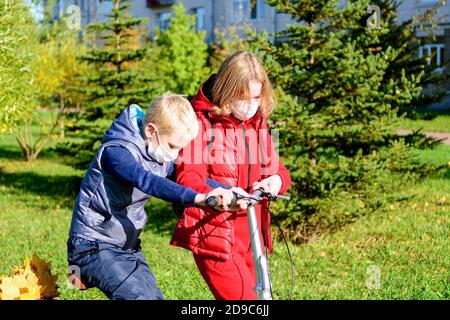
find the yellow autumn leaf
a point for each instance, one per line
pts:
(9, 291)
(46, 281)
(33, 295)
(48, 286)
(31, 292)
(19, 281)
(30, 276)
(18, 270)
(32, 281)
(39, 265)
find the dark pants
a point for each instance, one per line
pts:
(118, 273)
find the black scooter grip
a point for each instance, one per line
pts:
(213, 201)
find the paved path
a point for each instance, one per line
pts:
(437, 135)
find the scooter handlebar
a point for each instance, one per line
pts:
(213, 201)
(258, 195)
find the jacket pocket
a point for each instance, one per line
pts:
(79, 247)
(76, 245)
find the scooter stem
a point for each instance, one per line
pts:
(263, 285)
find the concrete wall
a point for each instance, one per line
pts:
(409, 8)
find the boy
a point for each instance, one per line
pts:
(136, 155)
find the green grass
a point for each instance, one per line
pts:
(429, 121)
(438, 155)
(408, 242)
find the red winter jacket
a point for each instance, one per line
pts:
(220, 152)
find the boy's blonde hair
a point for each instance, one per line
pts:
(232, 83)
(172, 113)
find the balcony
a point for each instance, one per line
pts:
(160, 3)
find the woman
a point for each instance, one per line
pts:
(233, 147)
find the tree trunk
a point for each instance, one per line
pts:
(31, 149)
(61, 120)
(30, 157)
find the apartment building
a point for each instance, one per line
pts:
(210, 15)
(214, 15)
(436, 40)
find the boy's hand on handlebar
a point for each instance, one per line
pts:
(223, 196)
(270, 184)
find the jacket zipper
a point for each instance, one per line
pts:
(248, 155)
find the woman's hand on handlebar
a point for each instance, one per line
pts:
(270, 184)
(241, 203)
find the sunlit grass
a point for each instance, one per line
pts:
(399, 252)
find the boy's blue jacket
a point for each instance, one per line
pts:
(108, 208)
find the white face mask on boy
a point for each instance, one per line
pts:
(244, 110)
(160, 154)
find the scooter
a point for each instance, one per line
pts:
(263, 286)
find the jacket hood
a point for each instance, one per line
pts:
(127, 127)
(202, 103)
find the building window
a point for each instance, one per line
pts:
(240, 8)
(199, 18)
(434, 52)
(257, 9)
(62, 7)
(435, 55)
(164, 20)
(244, 10)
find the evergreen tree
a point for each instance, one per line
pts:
(182, 54)
(402, 36)
(118, 80)
(226, 42)
(338, 104)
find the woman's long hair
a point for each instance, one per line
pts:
(232, 83)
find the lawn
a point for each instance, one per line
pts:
(400, 252)
(428, 121)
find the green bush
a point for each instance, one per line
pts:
(17, 54)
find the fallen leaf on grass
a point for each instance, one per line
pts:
(32, 281)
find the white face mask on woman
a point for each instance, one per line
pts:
(244, 110)
(160, 154)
